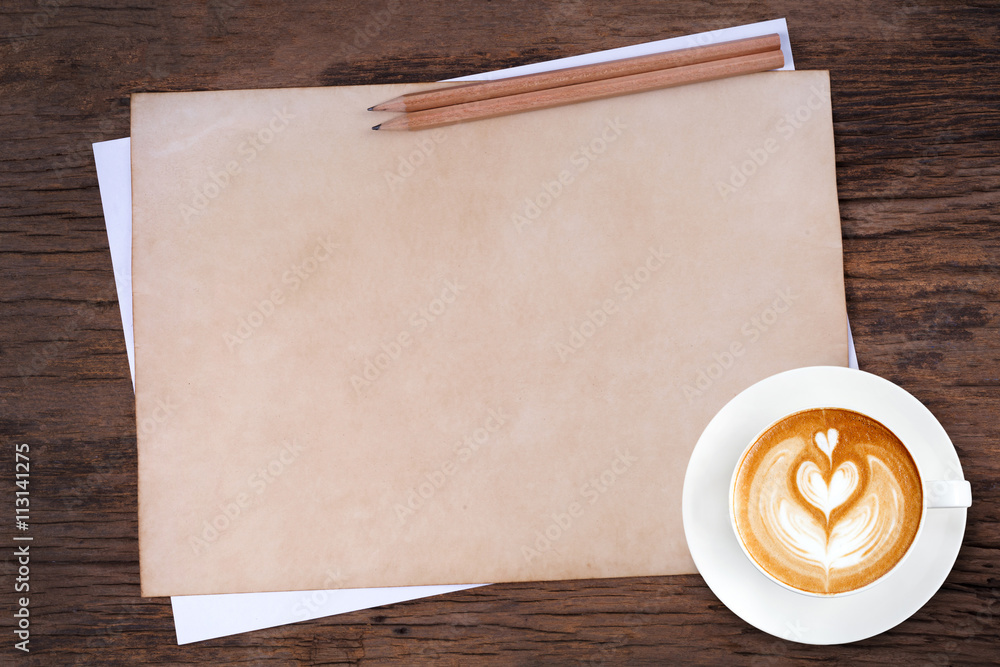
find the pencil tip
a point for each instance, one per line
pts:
(377, 126)
(371, 108)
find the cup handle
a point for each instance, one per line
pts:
(948, 493)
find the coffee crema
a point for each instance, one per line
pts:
(827, 500)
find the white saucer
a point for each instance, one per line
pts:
(755, 598)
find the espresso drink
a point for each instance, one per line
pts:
(827, 500)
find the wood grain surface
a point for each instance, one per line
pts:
(916, 104)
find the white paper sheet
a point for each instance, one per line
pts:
(197, 618)
(778, 26)
(114, 180)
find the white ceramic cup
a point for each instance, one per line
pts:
(937, 494)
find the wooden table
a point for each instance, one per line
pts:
(917, 126)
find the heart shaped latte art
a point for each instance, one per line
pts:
(827, 500)
(827, 442)
(862, 529)
(827, 496)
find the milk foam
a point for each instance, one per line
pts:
(827, 513)
(856, 534)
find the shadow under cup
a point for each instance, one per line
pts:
(828, 501)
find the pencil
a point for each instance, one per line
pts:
(472, 92)
(582, 92)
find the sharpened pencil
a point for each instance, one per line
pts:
(484, 90)
(583, 92)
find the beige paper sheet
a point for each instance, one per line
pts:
(476, 354)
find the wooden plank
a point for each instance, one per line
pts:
(917, 128)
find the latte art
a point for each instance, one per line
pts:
(827, 500)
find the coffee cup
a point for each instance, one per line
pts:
(828, 502)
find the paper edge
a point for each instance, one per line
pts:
(759, 29)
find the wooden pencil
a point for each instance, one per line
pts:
(472, 92)
(583, 92)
